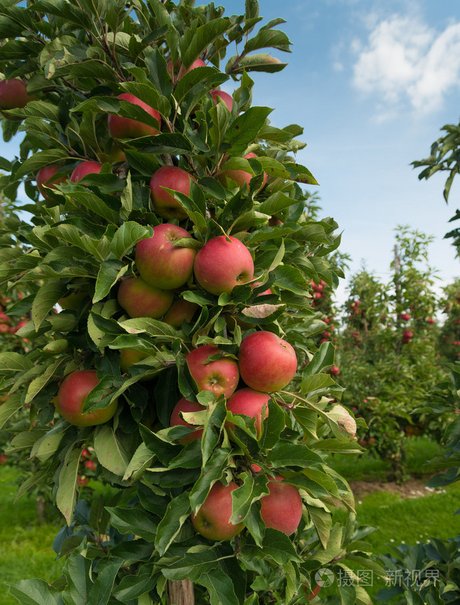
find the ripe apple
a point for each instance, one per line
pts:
(282, 508)
(213, 518)
(194, 65)
(219, 376)
(184, 405)
(335, 370)
(164, 203)
(430, 321)
(405, 316)
(13, 94)
(127, 128)
(71, 398)
(129, 357)
(223, 263)
(3, 458)
(82, 480)
(407, 336)
(250, 403)
(160, 262)
(241, 178)
(180, 312)
(90, 465)
(224, 96)
(267, 363)
(47, 177)
(83, 169)
(139, 299)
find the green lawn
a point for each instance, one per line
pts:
(26, 547)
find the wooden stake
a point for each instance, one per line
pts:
(181, 593)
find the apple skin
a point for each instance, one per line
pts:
(171, 177)
(240, 177)
(180, 312)
(221, 94)
(220, 376)
(46, 177)
(223, 263)
(194, 65)
(127, 128)
(212, 520)
(13, 94)
(248, 402)
(83, 169)
(160, 263)
(282, 508)
(129, 357)
(184, 405)
(71, 397)
(139, 299)
(267, 363)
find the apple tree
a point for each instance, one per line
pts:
(168, 254)
(388, 351)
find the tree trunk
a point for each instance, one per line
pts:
(181, 593)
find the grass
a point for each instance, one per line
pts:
(364, 467)
(26, 547)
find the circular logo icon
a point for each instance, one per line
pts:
(324, 577)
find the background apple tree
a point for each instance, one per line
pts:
(105, 95)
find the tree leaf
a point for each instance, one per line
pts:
(67, 482)
(196, 40)
(34, 592)
(177, 512)
(244, 129)
(127, 236)
(109, 451)
(45, 299)
(109, 273)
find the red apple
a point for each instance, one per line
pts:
(160, 262)
(82, 480)
(180, 312)
(71, 398)
(282, 508)
(139, 299)
(3, 458)
(223, 263)
(164, 203)
(267, 363)
(127, 128)
(47, 177)
(213, 518)
(194, 65)
(13, 94)
(242, 178)
(184, 405)
(334, 371)
(90, 465)
(430, 321)
(83, 169)
(224, 96)
(407, 336)
(129, 357)
(405, 316)
(85, 453)
(219, 376)
(250, 403)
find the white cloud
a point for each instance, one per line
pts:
(405, 62)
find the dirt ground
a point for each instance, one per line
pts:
(410, 489)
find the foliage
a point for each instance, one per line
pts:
(388, 351)
(444, 157)
(449, 337)
(126, 546)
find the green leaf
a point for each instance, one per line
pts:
(208, 476)
(14, 362)
(258, 62)
(45, 299)
(127, 198)
(291, 279)
(276, 202)
(109, 451)
(101, 590)
(286, 453)
(244, 129)
(323, 358)
(67, 482)
(177, 512)
(133, 521)
(127, 236)
(94, 204)
(34, 592)
(42, 380)
(268, 38)
(109, 273)
(142, 459)
(47, 445)
(248, 492)
(153, 327)
(196, 40)
(40, 159)
(9, 408)
(220, 587)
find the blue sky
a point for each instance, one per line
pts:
(371, 82)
